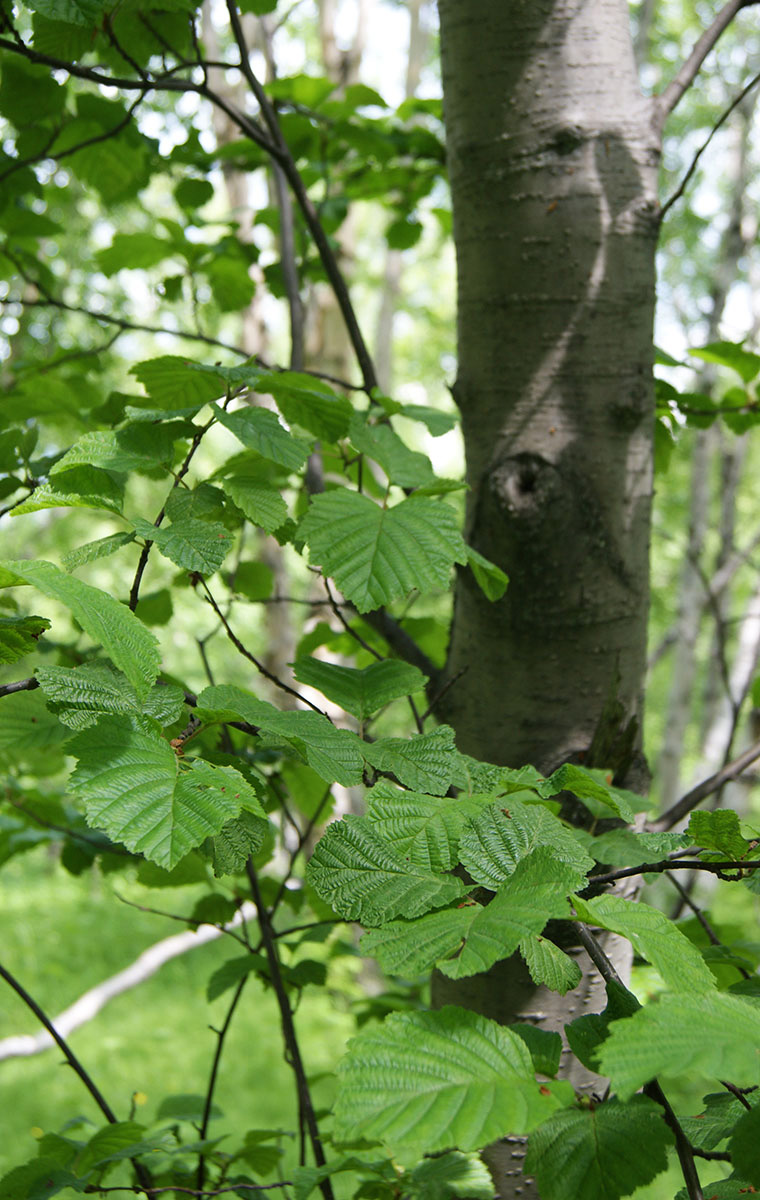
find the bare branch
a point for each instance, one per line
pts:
(706, 788)
(693, 165)
(19, 685)
(684, 864)
(670, 96)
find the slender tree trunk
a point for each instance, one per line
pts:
(552, 159)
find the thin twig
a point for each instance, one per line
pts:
(220, 1038)
(288, 1029)
(706, 788)
(693, 165)
(684, 1147)
(20, 685)
(670, 96)
(252, 657)
(200, 432)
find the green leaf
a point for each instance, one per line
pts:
(424, 829)
(81, 487)
(133, 251)
(199, 546)
(718, 831)
(90, 551)
(428, 762)
(360, 692)
(113, 1142)
(502, 834)
(600, 1152)
(27, 724)
(550, 966)
(599, 797)
(231, 972)
(447, 1175)
(655, 937)
(721, 1113)
(260, 430)
(744, 1146)
(19, 636)
(262, 504)
(710, 1034)
(405, 467)
(545, 1047)
(363, 879)
(411, 948)
(236, 842)
(491, 580)
(137, 447)
(536, 890)
(379, 554)
(81, 695)
(423, 1082)
(306, 401)
(173, 383)
(73, 12)
(624, 848)
(126, 641)
(37, 1180)
(135, 788)
(730, 354)
(335, 754)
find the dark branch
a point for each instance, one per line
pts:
(670, 96)
(693, 165)
(20, 685)
(706, 788)
(288, 1030)
(670, 864)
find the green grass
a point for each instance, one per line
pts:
(60, 936)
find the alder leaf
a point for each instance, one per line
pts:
(195, 545)
(262, 504)
(428, 1081)
(494, 841)
(90, 551)
(335, 754)
(709, 1034)
(81, 487)
(405, 467)
(306, 401)
(260, 430)
(363, 879)
(137, 447)
(536, 890)
(410, 948)
(81, 695)
(599, 1153)
(173, 382)
(130, 646)
(424, 829)
(429, 762)
(137, 791)
(360, 692)
(376, 554)
(235, 842)
(655, 937)
(548, 965)
(19, 636)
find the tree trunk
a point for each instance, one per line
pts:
(552, 158)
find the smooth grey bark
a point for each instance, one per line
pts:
(552, 154)
(552, 160)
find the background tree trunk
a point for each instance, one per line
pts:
(552, 158)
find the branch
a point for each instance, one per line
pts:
(288, 1029)
(402, 642)
(200, 431)
(713, 783)
(221, 1034)
(670, 864)
(20, 685)
(723, 117)
(284, 687)
(670, 96)
(684, 1148)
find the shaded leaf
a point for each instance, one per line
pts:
(428, 762)
(199, 546)
(19, 636)
(126, 641)
(262, 504)
(360, 692)
(600, 1152)
(102, 548)
(260, 430)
